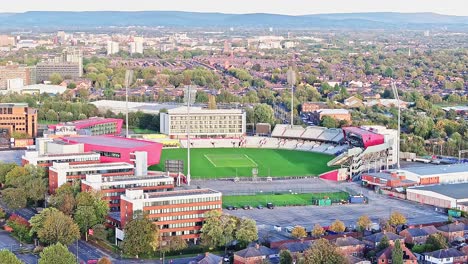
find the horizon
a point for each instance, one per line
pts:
(291, 7)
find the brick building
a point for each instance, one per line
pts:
(18, 118)
(15, 71)
(351, 246)
(177, 213)
(61, 173)
(114, 186)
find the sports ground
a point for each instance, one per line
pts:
(211, 163)
(281, 199)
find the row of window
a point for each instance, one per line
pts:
(179, 233)
(185, 209)
(12, 118)
(76, 173)
(67, 160)
(207, 117)
(178, 217)
(184, 201)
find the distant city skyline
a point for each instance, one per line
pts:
(287, 7)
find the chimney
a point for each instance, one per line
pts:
(385, 231)
(344, 236)
(206, 254)
(257, 246)
(420, 226)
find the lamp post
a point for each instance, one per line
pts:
(291, 76)
(128, 80)
(397, 97)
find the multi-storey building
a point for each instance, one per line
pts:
(47, 160)
(112, 47)
(18, 118)
(93, 127)
(114, 186)
(177, 213)
(61, 173)
(204, 123)
(6, 40)
(66, 69)
(14, 71)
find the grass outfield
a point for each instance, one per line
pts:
(280, 199)
(231, 162)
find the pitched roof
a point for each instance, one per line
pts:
(430, 229)
(445, 253)
(387, 253)
(453, 227)
(299, 246)
(347, 241)
(208, 259)
(375, 238)
(252, 252)
(416, 232)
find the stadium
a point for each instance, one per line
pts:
(334, 154)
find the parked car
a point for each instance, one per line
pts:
(230, 207)
(247, 207)
(259, 206)
(270, 206)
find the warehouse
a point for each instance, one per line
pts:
(437, 174)
(445, 196)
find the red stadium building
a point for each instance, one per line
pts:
(118, 149)
(362, 138)
(92, 127)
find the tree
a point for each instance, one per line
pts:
(52, 226)
(14, 198)
(285, 257)
(104, 260)
(57, 254)
(438, 241)
(363, 223)
(21, 228)
(323, 252)
(299, 232)
(5, 168)
(263, 113)
(337, 226)
(141, 237)
(383, 243)
(85, 218)
(56, 78)
(51, 115)
(64, 199)
(174, 243)
(71, 85)
(396, 218)
(212, 229)
(247, 231)
(397, 253)
(318, 231)
(329, 122)
(7, 256)
(211, 102)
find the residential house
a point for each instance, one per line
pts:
(385, 256)
(430, 229)
(208, 258)
(353, 102)
(252, 255)
(414, 235)
(452, 231)
(446, 256)
(374, 239)
(296, 248)
(356, 260)
(350, 246)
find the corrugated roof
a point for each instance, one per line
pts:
(455, 191)
(110, 141)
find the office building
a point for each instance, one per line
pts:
(13, 71)
(18, 118)
(112, 47)
(61, 173)
(71, 70)
(114, 186)
(136, 46)
(177, 213)
(204, 123)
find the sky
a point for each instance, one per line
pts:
(289, 7)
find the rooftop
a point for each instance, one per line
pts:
(110, 141)
(96, 166)
(199, 110)
(179, 193)
(445, 253)
(455, 191)
(13, 105)
(439, 169)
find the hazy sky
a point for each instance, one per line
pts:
(291, 7)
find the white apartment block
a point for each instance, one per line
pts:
(112, 47)
(204, 123)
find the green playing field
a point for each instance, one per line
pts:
(239, 162)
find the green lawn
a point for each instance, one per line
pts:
(143, 131)
(286, 199)
(232, 162)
